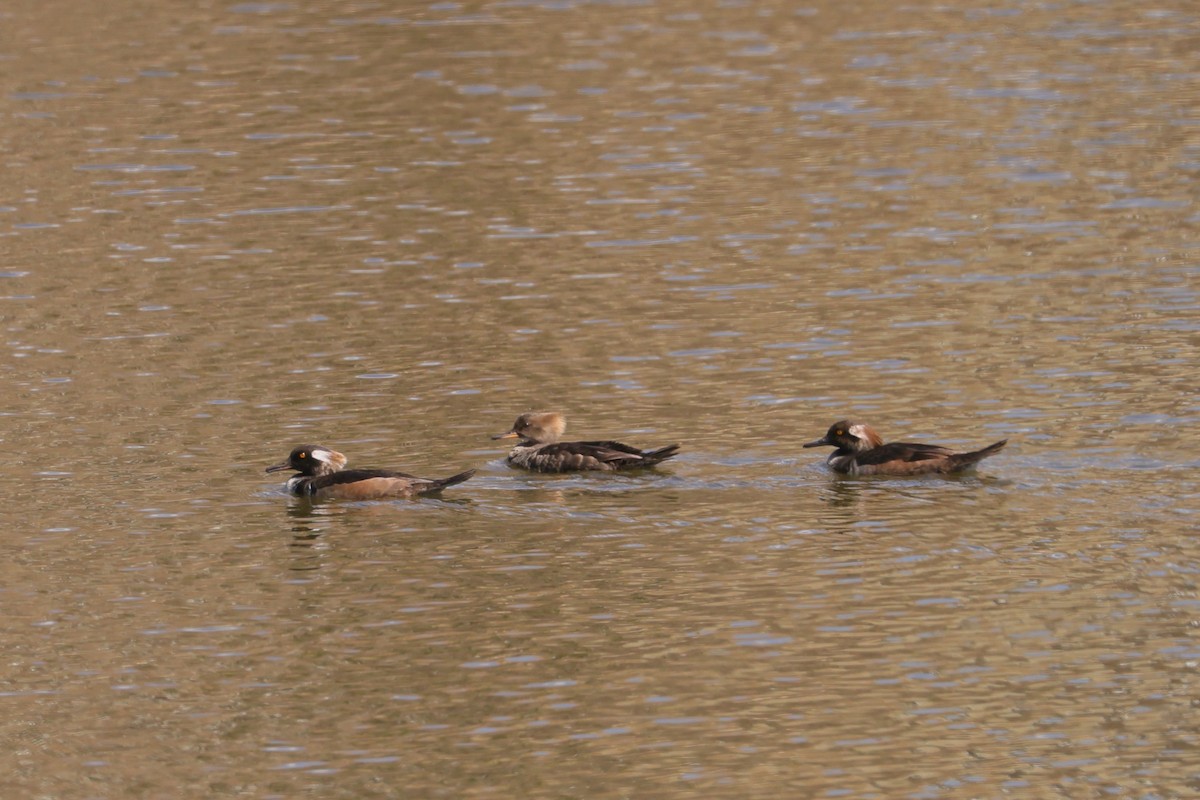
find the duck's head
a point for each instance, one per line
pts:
(537, 427)
(311, 460)
(848, 435)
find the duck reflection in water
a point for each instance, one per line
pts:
(861, 451)
(320, 475)
(540, 450)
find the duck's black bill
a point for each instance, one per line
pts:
(822, 442)
(279, 467)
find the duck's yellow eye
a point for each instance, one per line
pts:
(303, 455)
(839, 432)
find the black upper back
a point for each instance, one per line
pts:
(901, 451)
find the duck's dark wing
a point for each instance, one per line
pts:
(564, 456)
(902, 451)
(355, 475)
(613, 449)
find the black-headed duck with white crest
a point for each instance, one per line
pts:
(861, 451)
(320, 475)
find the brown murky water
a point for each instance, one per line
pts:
(232, 228)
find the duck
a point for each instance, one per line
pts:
(861, 451)
(321, 475)
(540, 450)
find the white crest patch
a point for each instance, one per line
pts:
(859, 431)
(327, 456)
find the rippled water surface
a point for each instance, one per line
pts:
(390, 228)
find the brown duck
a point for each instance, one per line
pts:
(539, 448)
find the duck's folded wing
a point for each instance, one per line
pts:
(612, 449)
(590, 455)
(355, 475)
(902, 451)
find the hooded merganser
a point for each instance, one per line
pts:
(540, 449)
(861, 451)
(321, 476)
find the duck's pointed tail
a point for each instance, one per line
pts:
(441, 483)
(660, 455)
(961, 461)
